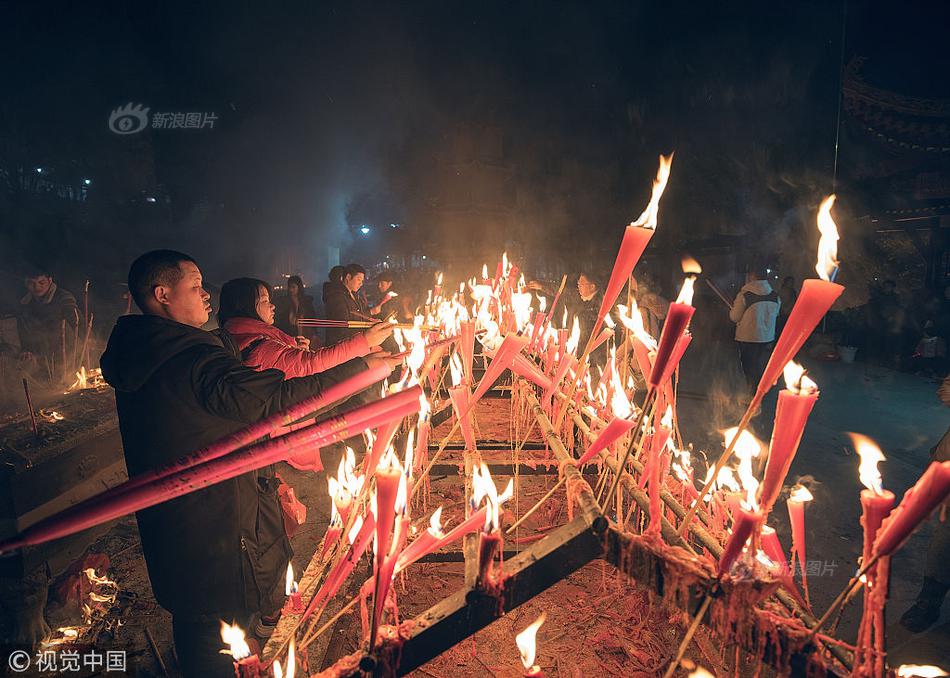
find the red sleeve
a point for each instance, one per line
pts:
(296, 362)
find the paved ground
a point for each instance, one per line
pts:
(900, 412)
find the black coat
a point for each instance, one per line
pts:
(342, 305)
(221, 549)
(283, 306)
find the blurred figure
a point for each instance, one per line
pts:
(343, 302)
(294, 304)
(926, 609)
(40, 319)
(653, 307)
(754, 312)
(886, 319)
(788, 295)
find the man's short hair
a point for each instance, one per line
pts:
(158, 267)
(354, 269)
(385, 277)
(758, 271)
(336, 273)
(32, 270)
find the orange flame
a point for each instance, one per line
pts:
(527, 642)
(746, 449)
(649, 216)
(233, 636)
(435, 524)
(920, 671)
(827, 265)
(870, 455)
(796, 381)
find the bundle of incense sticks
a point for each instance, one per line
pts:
(355, 324)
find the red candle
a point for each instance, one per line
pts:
(918, 503)
(677, 320)
(642, 353)
(601, 338)
(294, 603)
(747, 523)
(95, 511)
(249, 667)
(388, 565)
(523, 366)
(422, 544)
(341, 571)
(537, 329)
(422, 444)
(460, 403)
(467, 526)
(814, 300)
(635, 241)
(791, 413)
(388, 477)
(796, 517)
(384, 436)
(773, 549)
(657, 472)
(504, 357)
(467, 347)
(617, 428)
(566, 364)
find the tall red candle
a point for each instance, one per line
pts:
(796, 517)
(537, 330)
(504, 357)
(814, 300)
(523, 366)
(773, 549)
(617, 428)
(918, 503)
(676, 323)
(791, 414)
(635, 241)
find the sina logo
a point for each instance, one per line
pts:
(128, 119)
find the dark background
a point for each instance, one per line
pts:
(474, 126)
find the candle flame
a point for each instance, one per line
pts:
(355, 530)
(619, 403)
(746, 449)
(574, 339)
(649, 216)
(527, 642)
(435, 523)
(801, 494)
(455, 368)
(686, 293)
(797, 381)
(291, 662)
(290, 585)
(608, 321)
(233, 636)
(700, 672)
(633, 321)
(542, 303)
(690, 265)
(667, 420)
(483, 487)
(827, 265)
(921, 671)
(870, 455)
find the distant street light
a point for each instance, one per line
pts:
(364, 230)
(87, 182)
(39, 170)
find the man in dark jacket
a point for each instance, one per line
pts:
(343, 302)
(42, 312)
(219, 553)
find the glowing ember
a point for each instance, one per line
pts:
(827, 266)
(870, 455)
(648, 218)
(233, 636)
(51, 415)
(797, 381)
(527, 642)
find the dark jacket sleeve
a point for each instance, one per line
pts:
(228, 389)
(337, 308)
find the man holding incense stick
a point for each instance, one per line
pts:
(343, 302)
(218, 553)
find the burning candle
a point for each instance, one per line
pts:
(795, 403)
(658, 470)
(294, 604)
(773, 549)
(677, 320)
(797, 499)
(527, 642)
(746, 524)
(504, 357)
(422, 545)
(930, 490)
(814, 300)
(387, 564)
(388, 477)
(246, 665)
(636, 237)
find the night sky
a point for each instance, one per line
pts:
(330, 114)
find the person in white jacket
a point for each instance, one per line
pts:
(754, 312)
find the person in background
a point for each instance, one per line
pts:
(385, 298)
(344, 302)
(754, 312)
(40, 317)
(248, 315)
(788, 295)
(218, 553)
(653, 307)
(925, 611)
(294, 304)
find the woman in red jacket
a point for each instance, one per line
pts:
(247, 315)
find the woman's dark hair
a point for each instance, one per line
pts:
(239, 299)
(295, 280)
(336, 273)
